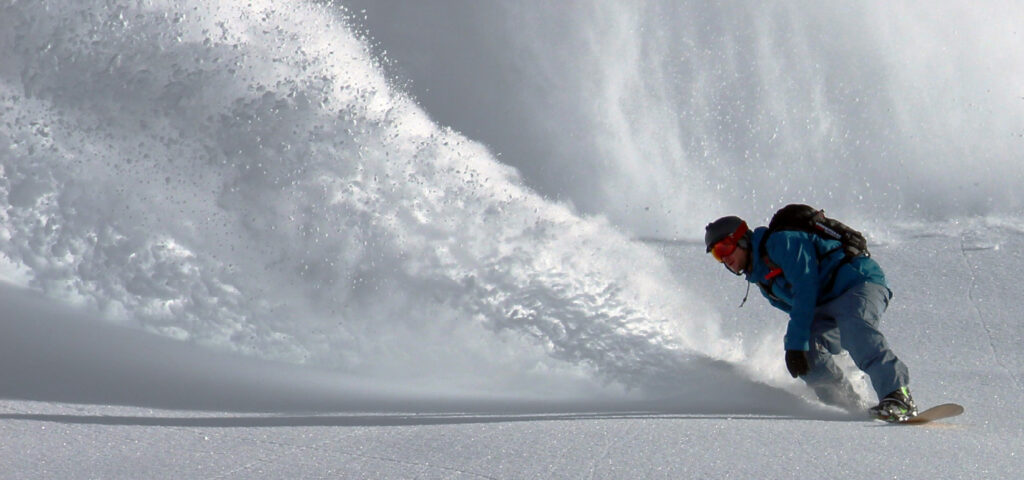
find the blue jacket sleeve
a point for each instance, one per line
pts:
(798, 259)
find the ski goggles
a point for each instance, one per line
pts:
(723, 249)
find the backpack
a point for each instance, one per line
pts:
(811, 220)
(808, 219)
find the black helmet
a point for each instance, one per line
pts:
(723, 228)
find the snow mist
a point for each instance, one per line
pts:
(242, 176)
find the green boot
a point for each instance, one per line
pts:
(897, 406)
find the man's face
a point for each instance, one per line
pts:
(736, 261)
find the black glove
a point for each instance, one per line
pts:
(796, 363)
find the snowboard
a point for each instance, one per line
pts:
(938, 412)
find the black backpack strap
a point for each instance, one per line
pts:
(835, 272)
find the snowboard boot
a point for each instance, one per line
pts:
(897, 406)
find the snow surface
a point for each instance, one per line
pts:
(245, 240)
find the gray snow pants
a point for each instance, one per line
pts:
(850, 322)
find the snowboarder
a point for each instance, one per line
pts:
(834, 303)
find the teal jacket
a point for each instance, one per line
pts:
(806, 269)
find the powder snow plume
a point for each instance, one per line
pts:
(241, 175)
